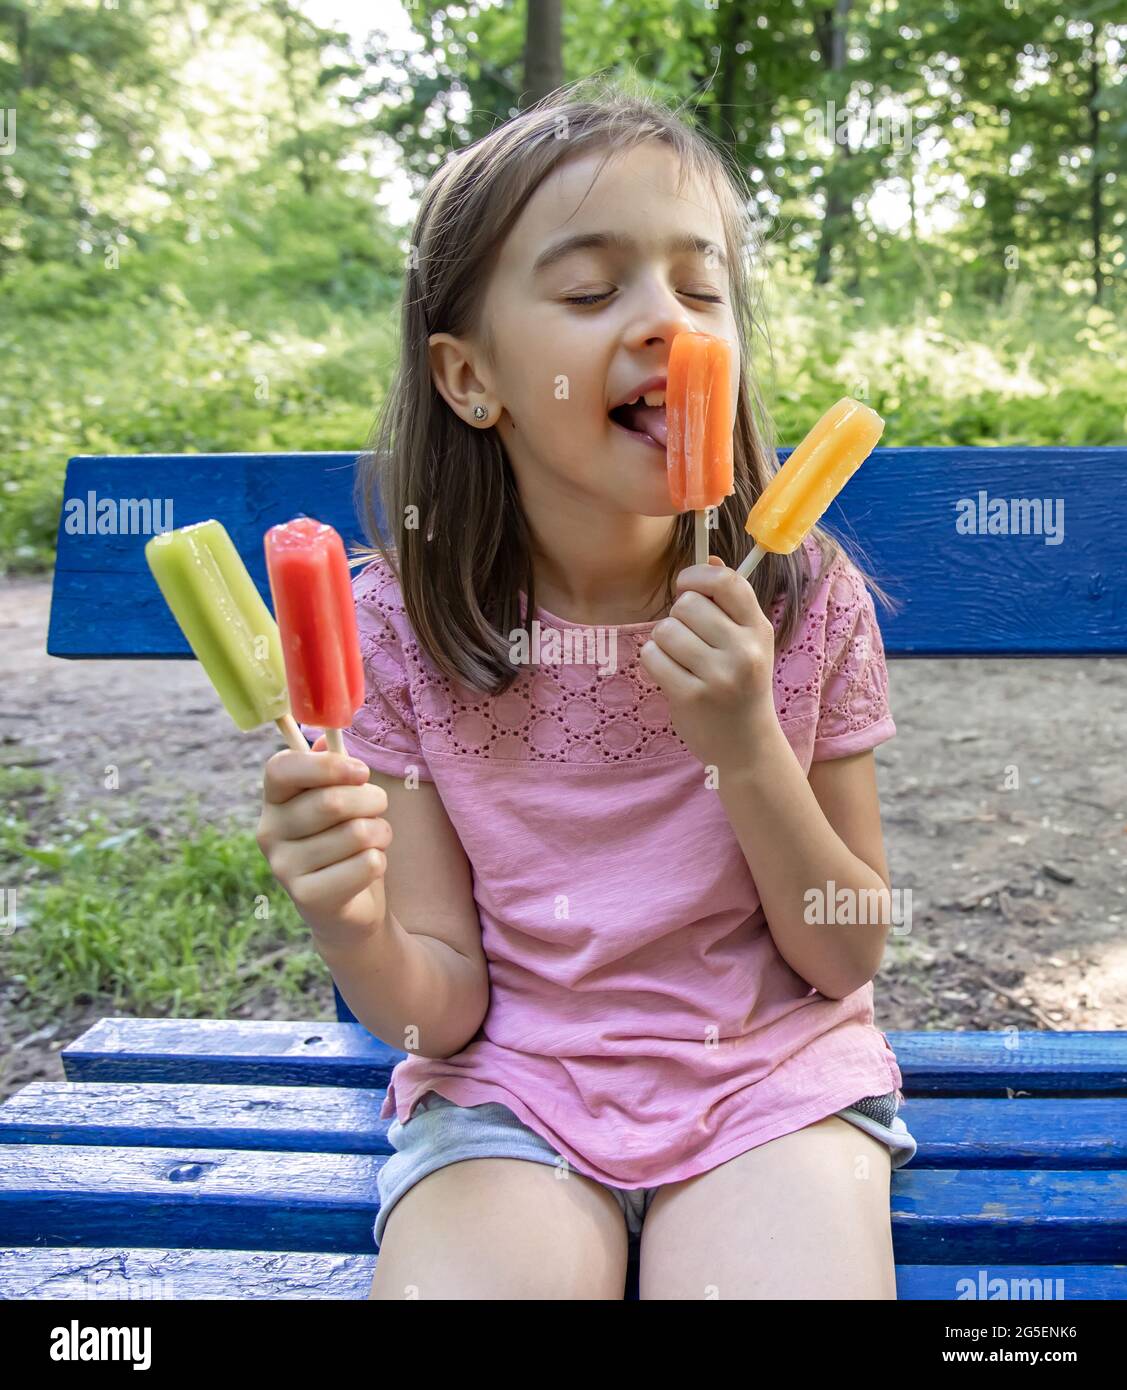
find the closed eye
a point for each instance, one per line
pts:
(595, 298)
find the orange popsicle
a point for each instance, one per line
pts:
(698, 412)
(811, 478)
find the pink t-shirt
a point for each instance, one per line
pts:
(641, 1019)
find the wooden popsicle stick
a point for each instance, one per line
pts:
(700, 538)
(334, 741)
(287, 726)
(753, 558)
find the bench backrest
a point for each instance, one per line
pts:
(989, 551)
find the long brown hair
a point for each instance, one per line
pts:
(460, 544)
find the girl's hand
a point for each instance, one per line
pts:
(323, 834)
(714, 658)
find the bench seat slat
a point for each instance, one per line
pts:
(314, 1119)
(56, 1194)
(70, 1272)
(74, 1272)
(1011, 1062)
(973, 1132)
(230, 1053)
(254, 1200)
(947, 1215)
(962, 1132)
(251, 1052)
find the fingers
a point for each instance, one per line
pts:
(681, 643)
(673, 678)
(289, 772)
(700, 614)
(726, 589)
(299, 857)
(329, 889)
(320, 808)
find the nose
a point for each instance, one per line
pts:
(659, 316)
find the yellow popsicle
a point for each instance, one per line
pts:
(798, 494)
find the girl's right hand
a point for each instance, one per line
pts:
(323, 834)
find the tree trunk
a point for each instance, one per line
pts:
(1097, 177)
(732, 66)
(289, 67)
(913, 230)
(543, 50)
(830, 32)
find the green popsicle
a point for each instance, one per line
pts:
(230, 629)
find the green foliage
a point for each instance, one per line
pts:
(188, 922)
(193, 255)
(1007, 120)
(1029, 371)
(164, 378)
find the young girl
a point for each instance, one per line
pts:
(617, 780)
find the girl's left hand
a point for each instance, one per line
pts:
(714, 657)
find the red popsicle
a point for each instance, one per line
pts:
(312, 591)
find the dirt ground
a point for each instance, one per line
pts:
(1018, 895)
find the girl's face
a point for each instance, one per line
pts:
(654, 265)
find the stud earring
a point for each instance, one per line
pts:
(480, 412)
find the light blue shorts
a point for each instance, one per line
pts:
(440, 1132)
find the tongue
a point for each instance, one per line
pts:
(648, 419)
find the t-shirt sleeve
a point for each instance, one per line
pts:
(853, 708)
(384, 733)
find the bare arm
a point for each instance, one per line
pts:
(799, 835)
(419, 982)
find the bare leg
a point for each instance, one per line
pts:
(804, 1216)
(510, 1228)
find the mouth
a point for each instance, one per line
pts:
(647, 423)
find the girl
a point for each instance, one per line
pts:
(620, 783)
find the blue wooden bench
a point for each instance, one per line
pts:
(216, 1159)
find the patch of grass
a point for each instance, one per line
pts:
(186, 921)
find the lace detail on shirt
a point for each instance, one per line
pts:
(835, 669)
(577, 713)
(854, 692)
